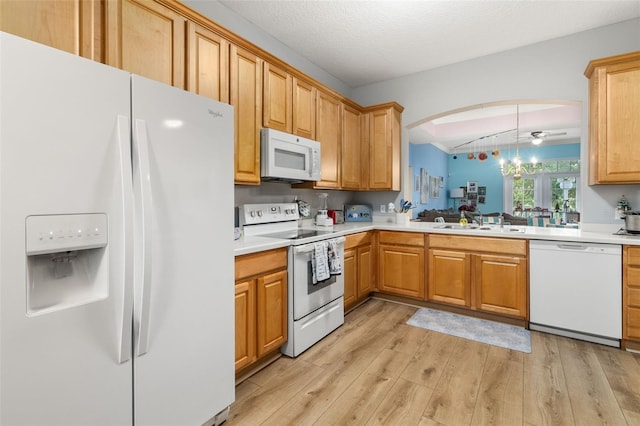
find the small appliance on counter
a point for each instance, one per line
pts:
(337, 216)
(322, 219)
(358, 213)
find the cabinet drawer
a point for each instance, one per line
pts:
(403, 238)
(633, 255)
(481, 244)
(253, 264)
(633, 297)
(359, 239)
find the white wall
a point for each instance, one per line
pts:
(548, 70)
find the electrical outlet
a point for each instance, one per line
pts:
(383, 208)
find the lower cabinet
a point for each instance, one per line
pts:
(631, 297)
(401, 263)
(260, 305)
(485, 274)
(358, 268)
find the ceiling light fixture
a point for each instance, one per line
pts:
(515, 166)
(536, 141)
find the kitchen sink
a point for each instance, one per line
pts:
(494, 228)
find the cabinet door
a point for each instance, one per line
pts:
(277, 98)
(365, 271)
(272, 311)
(614, 101)
(148, 39)
(384, 149)
(501, 284)
(245, 322)
(304, 109)
(449, 277)
(352, 158)
(350, 272)
(207, 63)
(74, 26)
(246, 97)
(328, 134)
(402, 270)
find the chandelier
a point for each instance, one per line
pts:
(515, 166)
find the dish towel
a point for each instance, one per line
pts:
(320, 262)
(335, 266)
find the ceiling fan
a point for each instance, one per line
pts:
(538, 136)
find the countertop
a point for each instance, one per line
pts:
(246, 245)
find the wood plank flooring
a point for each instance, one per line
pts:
(377, 370)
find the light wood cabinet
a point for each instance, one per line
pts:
(304, 108)
(277, 100)
(384, 147)
(631, 297)
(328, 133)
(207, 63)
(260, 305)
(148, 39)
(246, 98)
(479, 273)
(354, 164)
(614, 128)
(401, 267)
(75, 26)
(289, 103)
(358, 268)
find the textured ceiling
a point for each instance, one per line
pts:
(367, 41)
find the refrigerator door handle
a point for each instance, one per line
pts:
(124, 148)
(143, 285)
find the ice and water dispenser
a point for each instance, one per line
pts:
(67, 261)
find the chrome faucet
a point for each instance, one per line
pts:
(478, 218)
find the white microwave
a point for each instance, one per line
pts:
(288, 158)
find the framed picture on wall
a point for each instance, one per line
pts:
(434, 187)
(481, 199)
(482, 190)
(472, 186)
(416, 183)
(441, 181)
(424, 186)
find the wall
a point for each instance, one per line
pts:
(487, 173)
(434, 160)
(548, 70)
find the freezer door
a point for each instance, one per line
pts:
(183, 323)
(64, 149)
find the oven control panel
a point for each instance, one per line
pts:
(254, 214)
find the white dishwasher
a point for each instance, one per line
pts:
(575, 290)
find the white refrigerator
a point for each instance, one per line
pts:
(116, 210)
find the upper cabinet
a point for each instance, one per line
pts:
(614, 128)
(277, 99)
(384, 147)
(75, 26)
(328, 133)
(207, 63)
(354, 152)
(148, 39)
(246, 98)
(166, 41)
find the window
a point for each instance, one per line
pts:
(555, 187)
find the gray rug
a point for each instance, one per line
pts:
(484, 331)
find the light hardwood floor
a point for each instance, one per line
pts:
(376, 369)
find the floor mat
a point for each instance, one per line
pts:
(490, 332)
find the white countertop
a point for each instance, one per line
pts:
(246, 245)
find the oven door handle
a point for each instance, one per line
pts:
(308, 248)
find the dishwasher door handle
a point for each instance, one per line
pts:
(574, 247)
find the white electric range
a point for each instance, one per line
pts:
(314, 308)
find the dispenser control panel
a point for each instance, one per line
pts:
(65, 232)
